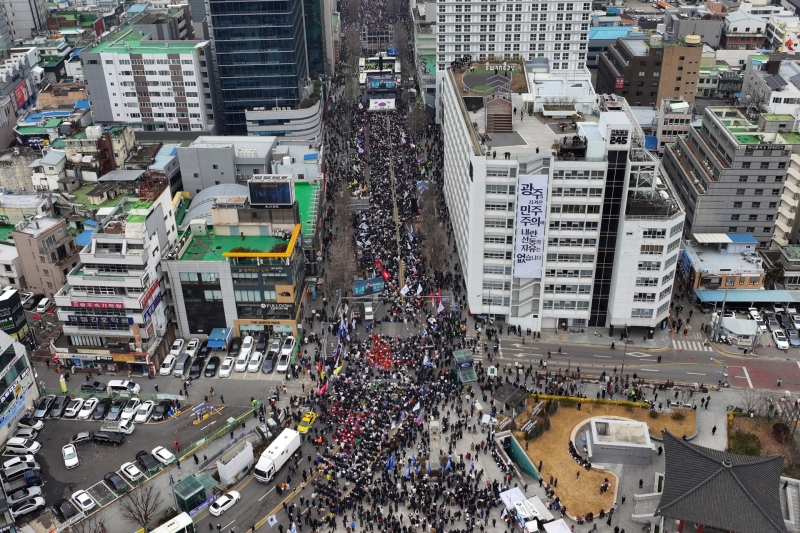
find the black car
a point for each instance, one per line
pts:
(147, 461)
(28, 422)
(115, 412)
(160, 412)
(197, 368)
(269, 362)
(235, 346)
(64, 509)
(115, 482)
(211, 367)
(58, 407)
(261, 344)
(32, 302)
(204, 350)
(93, 386)
(784, 320)
(101, 409)
(109, 437)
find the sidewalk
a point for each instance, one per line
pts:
(599, 337)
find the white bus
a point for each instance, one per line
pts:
(182, 523)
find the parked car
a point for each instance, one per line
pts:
(18, 460)
(192, 346)
(64, 509)
(25, 433)
(196, 370)
(144, 412)
(147, 461)
(226, 367)
(25, 297)
(235, 346)
(82, 437)
(160, 412)
(772, 323)
(31, 302)
(28, 506)
(131, 471)
(261, 344)
(204, 350)
(88, 408)
(58, 407)
(163, 455)
(283, 363)
(793, 337)
(123, 385)
(255, 362)
(18, 446)
(211, 367)
(130, 409)
(29, 422)
(247, 347)
(177, 347)
(102, 408)
(70, 455)
(109, 437)
(115, 412)
(167, 365)
(269, 362)
(115, 482)
(780, 340)
(73, 408)
(44, 406)
(784, 320)
(93, 386)
(83, 500)
(23, 494)
(288, 345)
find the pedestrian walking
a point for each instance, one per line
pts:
(221, 398)
(177, 446)
(178, 463)
(714, 430)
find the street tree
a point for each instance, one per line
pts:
(436, 247)
(141, 505)
(93, 523)
(352, 42)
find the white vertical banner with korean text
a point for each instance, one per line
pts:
(531, 214)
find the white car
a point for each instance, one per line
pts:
(226, 367)
(131, 407)
(144, 412)
(88, 408)
(27, 506)
(23, 494)
(224, 502)
(192, 347)
(163, 455)
(177, 347)
(241, 362)
(247, 347)
(780, 339)
(25, 296)
(70, 455)
(255, 362)
(131, 471)
(73, 408)
(16, 461)
(82, 500)
(288, 345)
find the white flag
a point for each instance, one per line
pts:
(272, 520)
(440, 308)
(404, 290)
(419, 289)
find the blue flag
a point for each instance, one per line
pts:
(419, 467)
(429, 468)
(408, 471)
(472, 466)
(448, 465)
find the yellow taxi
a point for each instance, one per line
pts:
(306, 422)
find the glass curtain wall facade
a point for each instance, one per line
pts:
(260, 56)
(202, 296)
(315, 32)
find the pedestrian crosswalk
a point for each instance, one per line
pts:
(691, 346)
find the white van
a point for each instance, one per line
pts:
(369, 314)
(121, 385)
(44, 305)
(167, 365)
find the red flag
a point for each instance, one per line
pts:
(439, 295)
(386, 275)
(378, 263)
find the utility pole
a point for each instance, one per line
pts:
(395, 214)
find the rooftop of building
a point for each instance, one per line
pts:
(165, 155)
(306, 194)
(210, 247)
(709, 257)
(129, 42)
(81, 196)
(6, 231)
(791, 252)
(260, 145)
(37, 225)
(786, 79)
(742, 15)
(156, 18)
(748, 132)
(145, 154)
(609, 33)
(22, 201)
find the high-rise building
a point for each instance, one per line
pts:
(260, 57)
(492, 31)
(557, 230)
(25, 17)
(113, 301)
(645, 69)
(731, 171)
(155, 86)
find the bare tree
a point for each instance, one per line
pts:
(417, 120)
(353, 9)
(436, 248)
(352, 92)
(91, 524)
(352, 43)
(341, 267)
(139, 506)
(403, 44)
(753, 402)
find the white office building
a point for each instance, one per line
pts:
(498, 31)
(557, 230)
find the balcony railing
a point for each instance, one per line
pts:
(49, 247)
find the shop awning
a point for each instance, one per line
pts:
(219, 338)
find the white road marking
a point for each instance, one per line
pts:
(648, 370)
(603, 356)
(267, 494)
(639, 354)
(226, 526)
(746, 375)
(695, 374)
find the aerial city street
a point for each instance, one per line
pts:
(371, 265)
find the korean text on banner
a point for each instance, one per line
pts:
(531, 212)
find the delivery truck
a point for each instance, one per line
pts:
(30, 479)
(277, 454)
